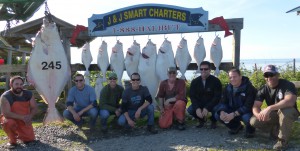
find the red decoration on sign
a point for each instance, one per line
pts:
(1, 61)
(222, 23)
(76, 32)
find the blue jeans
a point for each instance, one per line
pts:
(236, 121)
(192, 111)
(104, 115)
(92, 113)
(149, 111)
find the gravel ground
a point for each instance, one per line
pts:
(54, 137)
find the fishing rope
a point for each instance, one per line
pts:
(47, 13)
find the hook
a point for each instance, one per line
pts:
(217, 35)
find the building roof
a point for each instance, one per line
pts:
(20, 36)
(18, 9)
(297, 9)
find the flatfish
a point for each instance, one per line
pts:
(86, 59)
(48, 68)
(199, 52)
(132, 58)
(117, 60)
(216, 54)
(102, 59)
(182, 57)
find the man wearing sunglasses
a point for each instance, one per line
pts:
(205, 94)
(172, 100)
(136, 103)
(110, 97)
(281, 111)
(81, 101)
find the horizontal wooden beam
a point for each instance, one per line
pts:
(94, 67)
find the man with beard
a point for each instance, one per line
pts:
(18, 106)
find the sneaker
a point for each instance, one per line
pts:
(201, 124)
(11, 145)
(235, 131)
(213, 125)
(151, 129)
(274, 132)
(104, 129)
(181, 126)
(281, 145)
(249, 135)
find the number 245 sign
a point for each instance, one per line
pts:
(51, 65)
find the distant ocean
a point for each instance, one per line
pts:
(249, 64)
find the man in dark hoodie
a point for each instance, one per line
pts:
(205, 94)
(236, 104)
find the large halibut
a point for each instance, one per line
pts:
(48, 68)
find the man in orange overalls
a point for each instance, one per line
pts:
(18, 106)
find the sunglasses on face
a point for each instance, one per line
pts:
(172, 72)
(78, 80)
(204, 69)
(135, 79)
(267, 75)
(112, 78)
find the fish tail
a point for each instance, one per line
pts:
(217, 72)
(52, 116)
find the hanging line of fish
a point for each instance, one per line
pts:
(48, 68)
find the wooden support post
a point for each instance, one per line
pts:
(9, 61)
(236, 42)
(66, 45)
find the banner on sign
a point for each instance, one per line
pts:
(148, 19)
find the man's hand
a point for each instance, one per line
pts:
(167, 102)
(118, 112)
(137, 114)
(27, 119)
(264, 115)
(199, 113)
(76, 117)
(204, 112)
(131, 123)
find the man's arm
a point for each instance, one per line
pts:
(33, 106)
(256, 108)
(288, 101)
(5, 108)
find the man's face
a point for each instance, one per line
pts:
(205, 71)
(172, 75)
(235, 79)
(17, 86)
(271, 79)
(135, 80)
(112, 82)
(79, 81)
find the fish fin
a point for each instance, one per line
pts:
(217, 72)
(52, 116)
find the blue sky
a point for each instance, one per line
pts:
(269, 32)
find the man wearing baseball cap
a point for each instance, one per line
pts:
(281, 111)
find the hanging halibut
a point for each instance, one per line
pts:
(117, 60)
(86, 59)
(132, 58)
(165, 59)
(146, 69)
(216, 54)
(183, 57)
(48, 68)
(199, 52)
(102, 59)
(98, 86)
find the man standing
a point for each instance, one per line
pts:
(172, 100)
(205, 94)
(110, 97)
(136, 103)
(18, 106)
(81, 101)
(281, 110)
(236, 104)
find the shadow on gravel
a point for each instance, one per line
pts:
(36, 145)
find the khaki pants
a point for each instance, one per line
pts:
(284, 118)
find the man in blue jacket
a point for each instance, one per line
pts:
(236, 104)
